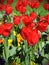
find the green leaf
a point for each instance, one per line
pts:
(6, 49)
(44, 62)
(13, 51)
(27, 57)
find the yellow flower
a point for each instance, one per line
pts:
(19, 39)
(14, 32)
(32, 63)
(10, 42)
(18, 44)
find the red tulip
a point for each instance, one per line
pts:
(33, 15)
(32, 36)
(34, 4)
(26, 34)
(35, 36)
(46, 6)
(5, 29)
(7, 26)
(31, 4)
(2, 7)
(22, 9)
(31, 25)
(10, 1)
(24, 2)
(5, 33)
(9, 10)
(16, 20)
(18, 4)
(26, 20)
(42, 26)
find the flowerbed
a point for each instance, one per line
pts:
(24, 32)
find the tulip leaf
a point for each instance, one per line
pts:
(13, 51)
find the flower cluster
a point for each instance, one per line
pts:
(32, 28)
(24, 32)
(21, 5)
